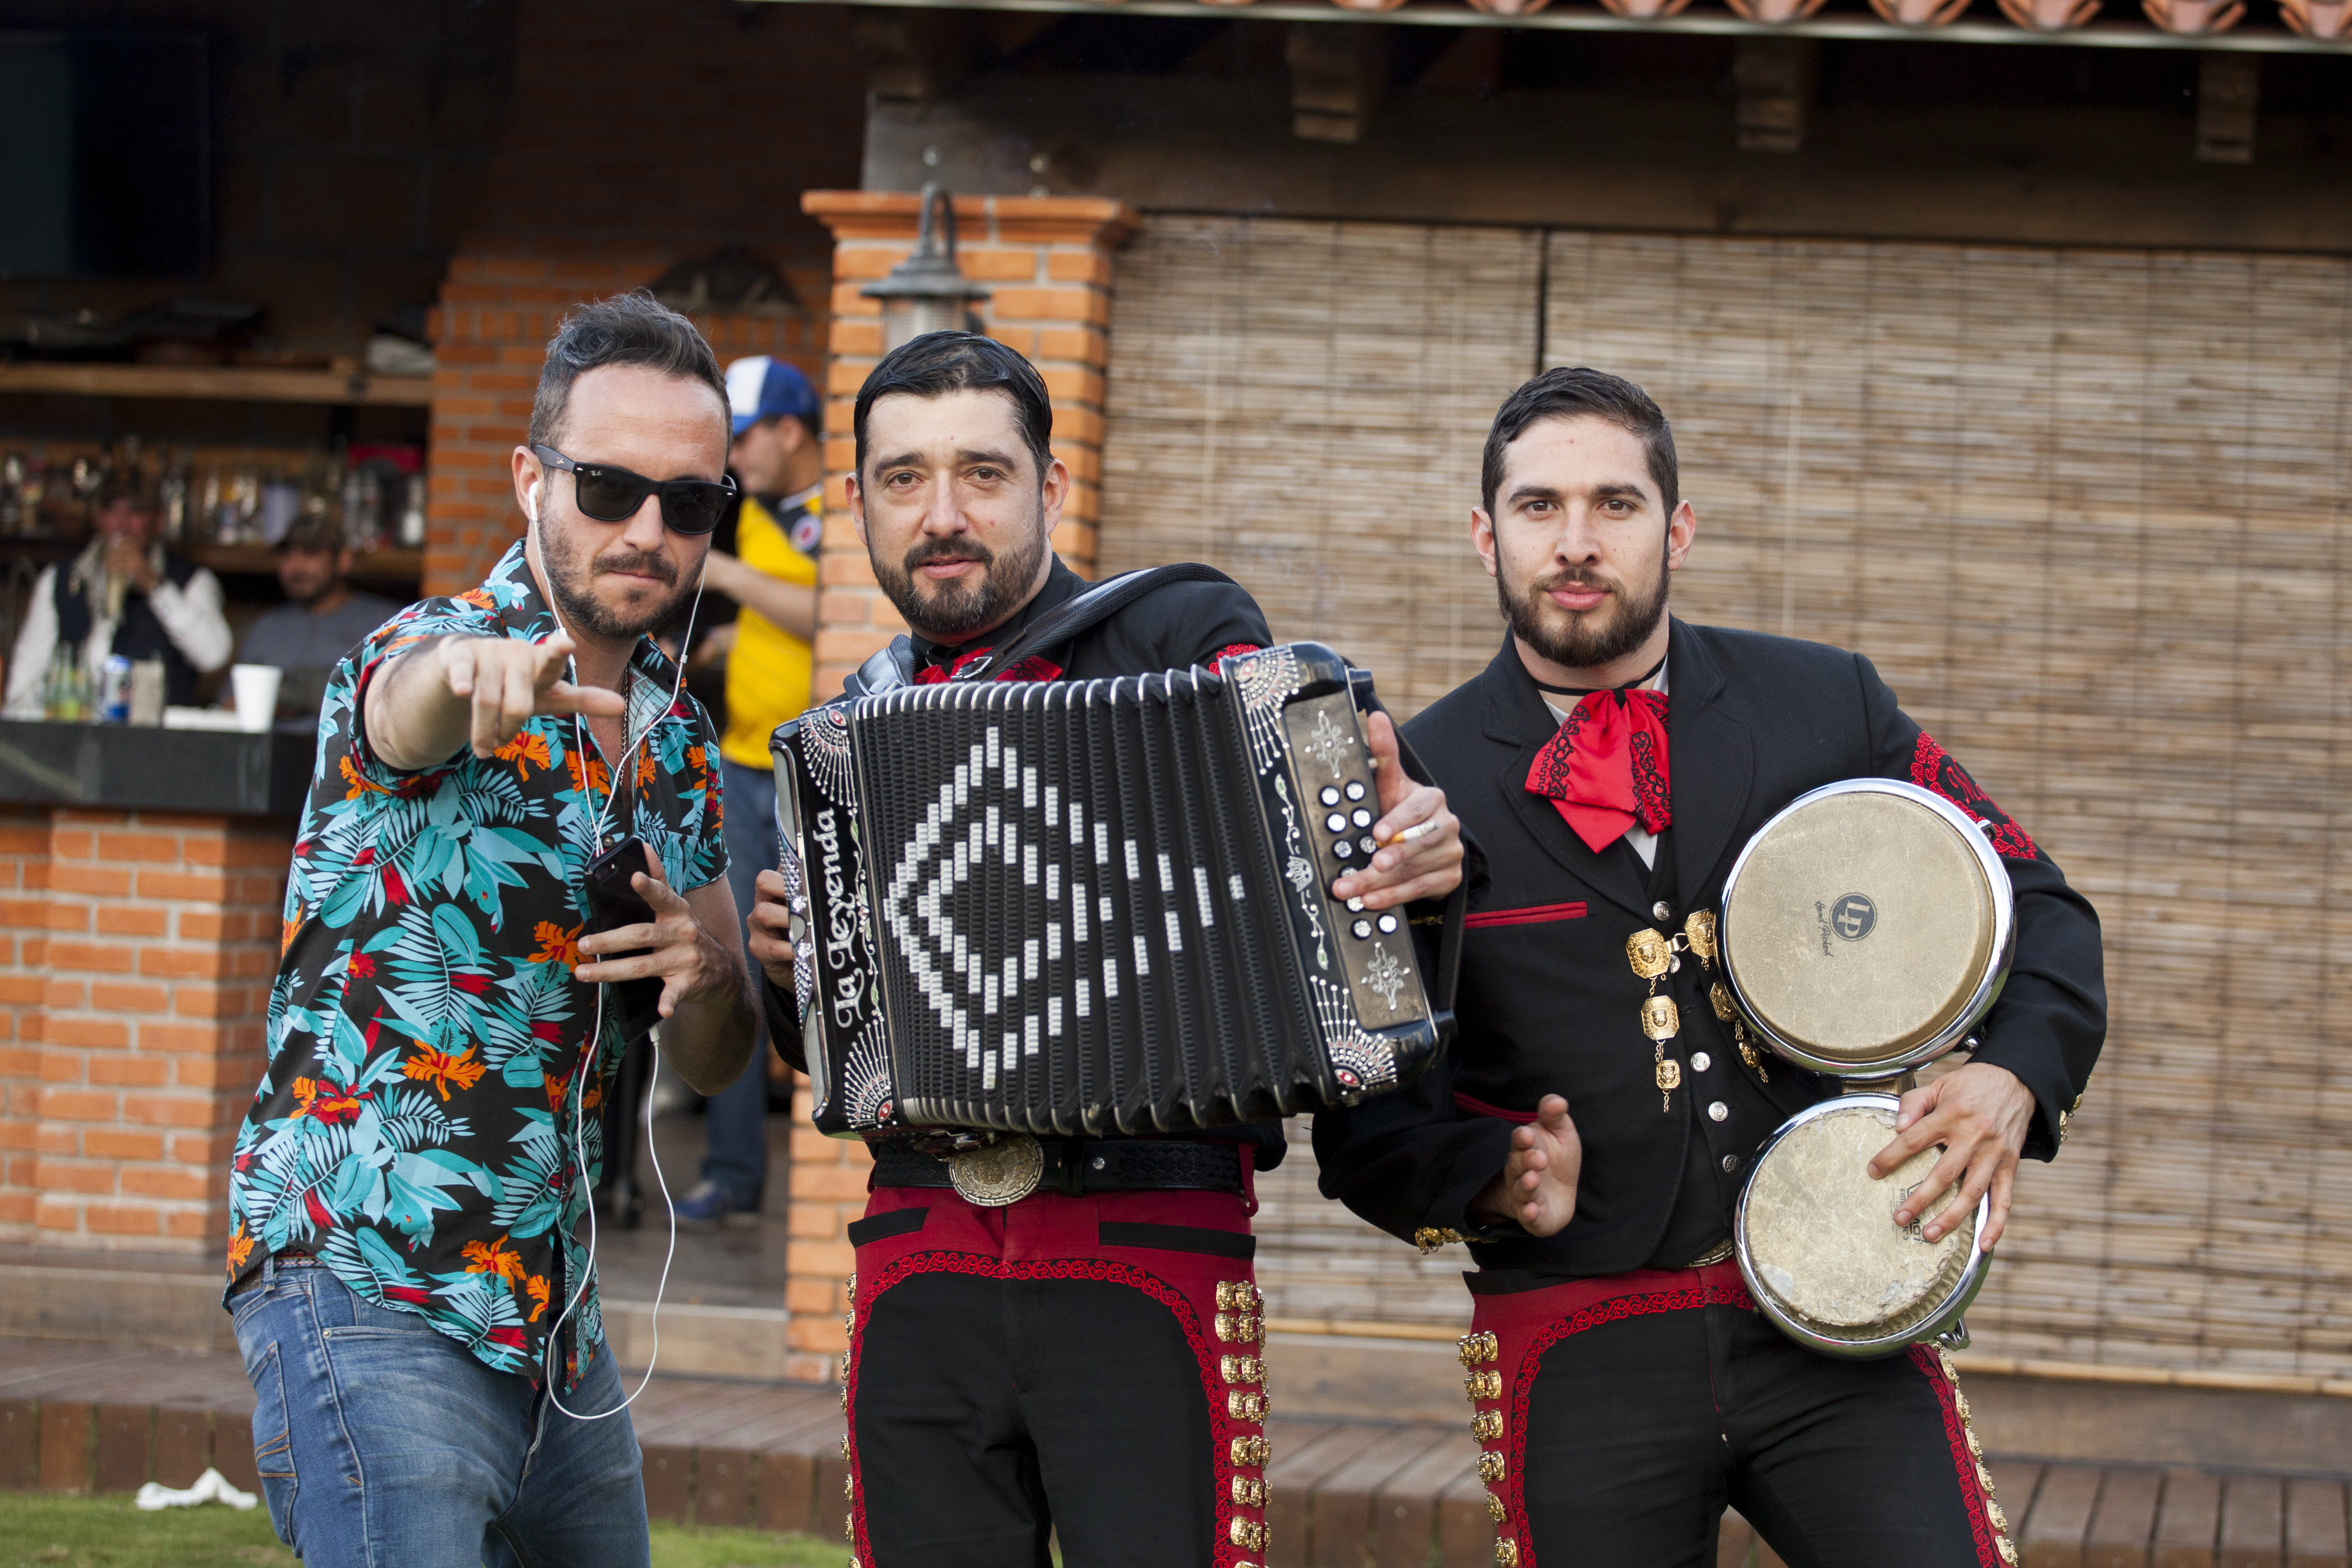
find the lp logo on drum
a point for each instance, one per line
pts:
(1852, 916)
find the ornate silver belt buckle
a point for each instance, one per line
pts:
(998, 1174)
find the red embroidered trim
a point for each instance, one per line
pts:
(1480, 1107)
(1931, 1364)
(1229, 651)
(1222, 1427)
(1533, 914)
(1934, 768)
(1523, 1381)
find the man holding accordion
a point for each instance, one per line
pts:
(1058, 1334)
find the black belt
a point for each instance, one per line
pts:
(1079, 1165)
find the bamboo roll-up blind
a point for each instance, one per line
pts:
(1290, 401)
(2088, 511)
(2090, 514)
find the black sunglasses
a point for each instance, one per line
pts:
(613, 495)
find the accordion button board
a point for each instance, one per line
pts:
(1085, 906)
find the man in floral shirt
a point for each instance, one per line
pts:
(419, 1321)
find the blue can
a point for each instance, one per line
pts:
(114, 695)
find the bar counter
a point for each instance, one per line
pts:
(216, 772)
(142, 875)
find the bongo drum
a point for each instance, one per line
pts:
(1819, 1248)
(1866, 927)
(1865, 931)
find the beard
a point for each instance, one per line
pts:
(957, 609)
(1582, 639)
(568, 580)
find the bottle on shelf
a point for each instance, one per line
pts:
(12, 493)
(172, 498)
(411, 515)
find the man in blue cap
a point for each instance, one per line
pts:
(778, 461)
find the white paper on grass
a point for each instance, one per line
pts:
(211, 1486)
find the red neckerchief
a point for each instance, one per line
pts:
(1605, 768)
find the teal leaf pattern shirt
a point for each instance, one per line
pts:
(427, 1126)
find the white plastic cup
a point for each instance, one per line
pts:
(255, 686)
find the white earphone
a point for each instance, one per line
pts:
(586, 1065)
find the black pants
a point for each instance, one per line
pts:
(1062, 1366)
(1629, 1424)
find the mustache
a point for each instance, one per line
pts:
(632, 560)
(1577, 577)
(949, 550)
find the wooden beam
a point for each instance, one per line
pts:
(1337, 75)
(915, 57)
(2229, 94)
(1774, 79)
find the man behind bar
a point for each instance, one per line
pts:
(1082, 1357)
(420, 1324)
(1627, 1387)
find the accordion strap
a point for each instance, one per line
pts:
(895, 665)
(1089, 610)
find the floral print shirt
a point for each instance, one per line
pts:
(429, 1104)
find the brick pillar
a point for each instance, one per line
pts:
(1048, 261)
(490, 330)
(23, 852)
(138, 948)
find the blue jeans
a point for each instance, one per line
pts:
(736, 1119)
(383, 1443)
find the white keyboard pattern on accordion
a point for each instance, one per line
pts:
(990, 795)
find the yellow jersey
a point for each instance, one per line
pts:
(770, 671)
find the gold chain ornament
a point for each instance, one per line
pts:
(1651, 954)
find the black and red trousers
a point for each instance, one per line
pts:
(1081, 1365)
(1617, 1418)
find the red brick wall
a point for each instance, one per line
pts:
(24, 849)
(1048, 261)
(639, 133)
(136, 951)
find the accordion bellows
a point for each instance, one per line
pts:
(1084, 907)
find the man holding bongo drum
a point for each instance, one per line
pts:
(1588, 1134)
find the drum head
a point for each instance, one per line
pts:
(1818, 1237)
(1859, 925)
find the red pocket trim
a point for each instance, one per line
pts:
(1480, 1107)
(1533, 914)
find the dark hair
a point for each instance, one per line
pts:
(1567, 394)
(940, 363)
(627, 329)
(314, 536)
(124, 487)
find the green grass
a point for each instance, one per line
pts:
(41, 1530)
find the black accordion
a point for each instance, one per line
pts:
(1085, 906)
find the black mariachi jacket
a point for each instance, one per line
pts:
(1175, 627)
(1550, 1003)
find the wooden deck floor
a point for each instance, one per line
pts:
(1346, 1494)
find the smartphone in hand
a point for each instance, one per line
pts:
(613, 903)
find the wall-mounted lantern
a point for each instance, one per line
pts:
(927, 292)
